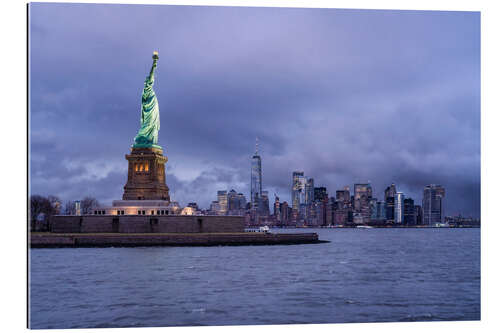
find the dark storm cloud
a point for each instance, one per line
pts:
(344, 95)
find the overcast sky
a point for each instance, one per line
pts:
(346, 96)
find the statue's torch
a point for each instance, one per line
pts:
(155, 58)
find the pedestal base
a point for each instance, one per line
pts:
(146, 175)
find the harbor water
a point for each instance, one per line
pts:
(362, 275)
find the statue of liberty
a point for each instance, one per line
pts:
(150, 113)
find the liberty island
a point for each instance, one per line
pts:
(146, 216)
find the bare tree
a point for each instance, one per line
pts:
(69, 208)
(88, 204)
(39, 205)
(56, 204)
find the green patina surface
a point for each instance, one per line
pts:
(150, 113)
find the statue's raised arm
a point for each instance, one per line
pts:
(150, 112)
(151, 76)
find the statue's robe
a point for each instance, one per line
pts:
(150, 115)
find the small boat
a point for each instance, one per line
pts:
(264, 229)
(364, 227)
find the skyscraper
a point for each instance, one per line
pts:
(285, 213)
(409, 212)
(389, 209)
(329, 210)
(362, 197)
(222, 199)
(276, 208)
(389, 194)
(298, 189)
(309, 193)
(418, 214)
(373, 209)
(344, 195)
(264, 204)
(214, 208)
(242, 200)
(320, 193)
(432, 204)
(390, 191)
(233, 202)
(381, 211)
(342, 206)
(399, 207)
(256, 178)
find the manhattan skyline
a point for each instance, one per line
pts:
(347, 96)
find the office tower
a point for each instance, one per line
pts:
(378, 213)
(264, 204)
(233, 202)
(317, 215)
(256, 178)
(342, 206)
(418, 214)
(390, 192)
(309, 191)
(214, 208)
(276, 207)
(381, 211)
(298, 189)
(242, 200)
(343, 195)
(432, 204)
(324, 211)
(329, 211)
(399, 207)
(362, 197)
(389, 209)
(222, 199)
(409, 212)
(285, 213)
(320, 193)
(373, 209)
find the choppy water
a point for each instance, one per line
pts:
(361, 276)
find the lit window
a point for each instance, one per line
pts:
(146, 167)
(136, 167)
(141, 167)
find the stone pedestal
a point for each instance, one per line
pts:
(146, 175)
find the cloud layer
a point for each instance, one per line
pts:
(344, 95)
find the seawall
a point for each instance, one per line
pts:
(55, 240)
